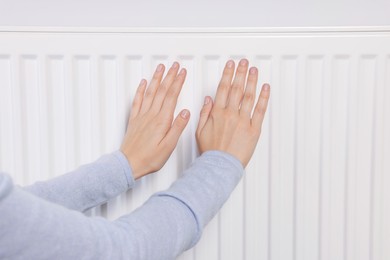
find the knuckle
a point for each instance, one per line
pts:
(160, 94)
(230, 112)
(248, 97)
(139, 92)
(264, 94)
(171, 93)
(237, 90)
(223, 86)
(260, 109)
(204, 111)
(180, 123)
(148, 93)
(227, 73)
(157, 75)
(163, 87)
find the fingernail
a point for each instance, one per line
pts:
(253, 70)
(266, 87)
(184, 114)
(182, 71)
(159, 68)
(243, 62)
(230, 64)
(206, 100)
(143, 81)
(175, 65)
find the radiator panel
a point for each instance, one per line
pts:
(317, 186)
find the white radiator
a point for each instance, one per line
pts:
(318, 185)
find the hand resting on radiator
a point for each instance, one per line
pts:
(229, 125)
(151, 137)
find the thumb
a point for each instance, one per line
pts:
(204, 113)
(177, 128)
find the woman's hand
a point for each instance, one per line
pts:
(151, 137)
(228, 125)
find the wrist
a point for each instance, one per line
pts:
(128, 171)
(137, 170)
(223, 154)
(226, 153)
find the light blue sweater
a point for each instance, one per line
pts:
(44, 220)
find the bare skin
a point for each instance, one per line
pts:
(226, 125)
(151, 136)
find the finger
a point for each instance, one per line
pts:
(204, 113)
(151, 91)
(261, 107)
(165, 86)
(224, 85)
(237, 89)
(176, 129)
(170, 100)
(139, 96)
(250, 93)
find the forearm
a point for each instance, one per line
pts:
(206, 186)
(181, 212)
(169, 223)
(88, 186)
(34, 228)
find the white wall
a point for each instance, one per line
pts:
(194, 13)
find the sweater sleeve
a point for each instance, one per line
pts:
(167, 224)
(89, 185)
